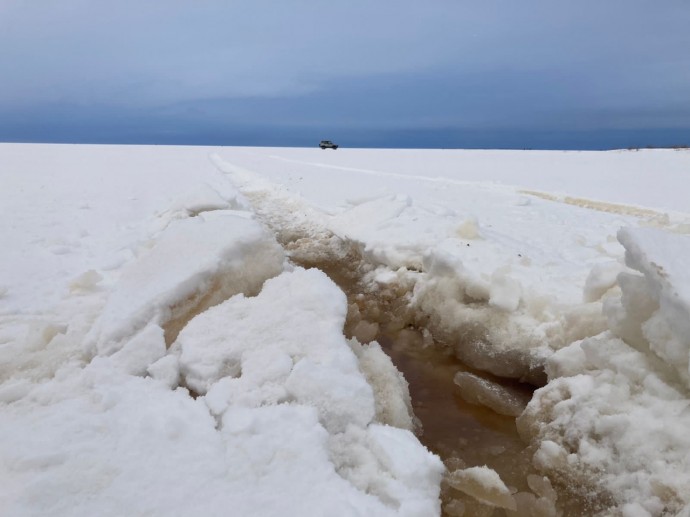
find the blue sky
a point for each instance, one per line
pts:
(446, 73)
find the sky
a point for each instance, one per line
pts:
(444, 73)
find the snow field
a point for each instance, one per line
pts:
(168, 339)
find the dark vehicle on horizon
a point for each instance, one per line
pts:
(327, 144)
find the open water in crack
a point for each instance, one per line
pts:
(449, 422)
(462, 434)
(467, 435)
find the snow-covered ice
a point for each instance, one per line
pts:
(157, 331)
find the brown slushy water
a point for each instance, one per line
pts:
(462, 434)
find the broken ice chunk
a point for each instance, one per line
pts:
(601, 278)
(529, 505)
(504, 400)
(484, 484)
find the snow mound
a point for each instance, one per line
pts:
(615, 410)
(286, 423)
(93, 438)
(194, 264)
(285, 346)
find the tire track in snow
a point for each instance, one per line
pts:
(654, 216)
(396, 175)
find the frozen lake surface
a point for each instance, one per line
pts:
(210, 319)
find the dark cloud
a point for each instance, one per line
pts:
(161, 68)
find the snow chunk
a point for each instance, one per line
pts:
(144, 349)
(194, 264)
(484, 484)
(411, 476)
(284, 344)
(413, 470)
(662, 258)
(342, 397)
(627, 313)
(601, 278)
(505, 292)
(543, 504)
(391, 391)
(166, 370)
(505, 341)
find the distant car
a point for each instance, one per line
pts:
(327, 144)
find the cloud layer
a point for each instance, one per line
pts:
(496, 64)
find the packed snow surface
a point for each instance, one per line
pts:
(155, 333)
